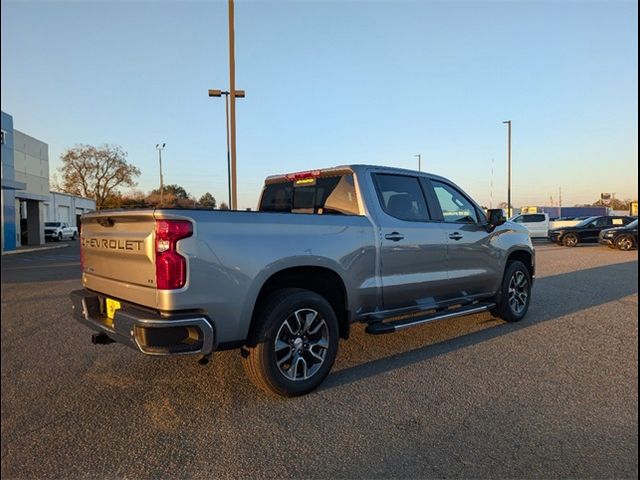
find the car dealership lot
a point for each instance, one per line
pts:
(552, 396)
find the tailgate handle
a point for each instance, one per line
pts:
(106, 221)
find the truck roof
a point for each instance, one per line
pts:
(356, 168)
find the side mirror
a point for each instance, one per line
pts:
(495, 218)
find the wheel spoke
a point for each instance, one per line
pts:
(305, 367)
(280, 345)
(317, 328)
(288, 325)
(293, 368)
(314, 354)
(299, 321)
(322, 343)
(309, 317)
(284, 359)
(514, 304)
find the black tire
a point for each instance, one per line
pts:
(612, 245)
(260, 358)
(74, 236)
(59, 237)
(504, 308)
(624, 242)
(570, 240)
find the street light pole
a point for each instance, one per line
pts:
(508, 122)
(219, 93)
(160, 148)
(232, 89)
(226, 113)
(419, 160)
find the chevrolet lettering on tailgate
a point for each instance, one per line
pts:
(112, 244)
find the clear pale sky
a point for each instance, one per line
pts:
(332, 83)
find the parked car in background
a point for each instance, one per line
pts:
(624, 238)
(587, 230)
(560, 222)
(59, 231)
(536, 223)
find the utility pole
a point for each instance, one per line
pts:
(419, 159)
(508, 122)
(232, 89)
(160, 148)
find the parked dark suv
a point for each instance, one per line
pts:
(587, 230)
(624, 238)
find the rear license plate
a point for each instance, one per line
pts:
(111, 307)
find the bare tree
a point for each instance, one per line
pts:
(96, 172)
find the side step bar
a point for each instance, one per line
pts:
(379, 328)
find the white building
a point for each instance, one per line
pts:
(64, 207)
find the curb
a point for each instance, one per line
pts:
(38, 249)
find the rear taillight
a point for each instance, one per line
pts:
(171, 267)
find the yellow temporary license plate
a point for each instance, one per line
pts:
(111, 306)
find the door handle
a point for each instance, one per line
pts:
(455, 236)
(394, 236)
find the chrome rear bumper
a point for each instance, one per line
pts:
(143, 330)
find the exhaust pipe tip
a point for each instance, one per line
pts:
(101, 339)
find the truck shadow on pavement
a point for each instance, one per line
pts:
(553, 297)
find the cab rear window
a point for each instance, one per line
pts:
(324, 195)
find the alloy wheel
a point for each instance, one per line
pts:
(518, 292)
(301, 344)
(625, 243)
(571, 241)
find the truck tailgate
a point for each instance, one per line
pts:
(118, 255)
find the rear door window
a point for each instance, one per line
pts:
(600, 222)
(533, 218)
(401, 196)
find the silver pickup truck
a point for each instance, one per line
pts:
(387, 247)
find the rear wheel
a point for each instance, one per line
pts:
(624, 242)
(294, 344)
(570, 240)
(512, 302)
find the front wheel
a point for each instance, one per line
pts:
(294, 343)
(512, 302)
(570, 240)
(74, 236)
(625, 242)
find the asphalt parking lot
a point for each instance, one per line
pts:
(555, 395)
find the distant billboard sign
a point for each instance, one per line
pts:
(633, 209)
